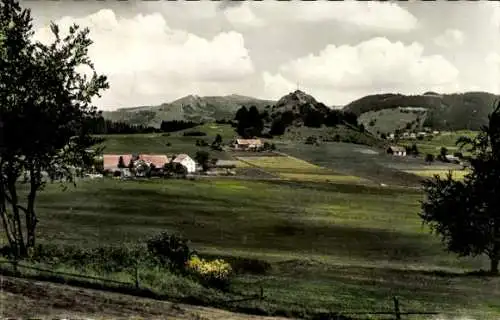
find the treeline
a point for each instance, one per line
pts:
(103, 126)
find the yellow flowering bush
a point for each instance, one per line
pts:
(214, 273)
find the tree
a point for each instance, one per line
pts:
(429, 158)
(465, 213)
(202, 158)
(121, 163)
(443, 152)
(414, 150)
(278, 127)
(218, 139)
(45, 110)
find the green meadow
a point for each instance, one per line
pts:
(169, 143)
(331, 247)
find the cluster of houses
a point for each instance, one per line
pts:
(145, 165)
(412, 135)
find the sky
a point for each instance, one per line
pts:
(157, 51)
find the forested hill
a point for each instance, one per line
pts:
(443, 111)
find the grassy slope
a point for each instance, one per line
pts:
(28, 299)
(445, 139)
(300, 134)
(187, 108)
(156, 143)
(387, 120)
(341, 247)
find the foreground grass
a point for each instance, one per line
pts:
(331, 247)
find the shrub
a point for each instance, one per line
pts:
(171, 251)
(194, 134)
(215, 273)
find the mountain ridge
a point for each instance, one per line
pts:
(442, 111)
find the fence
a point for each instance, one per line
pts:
(135, 288)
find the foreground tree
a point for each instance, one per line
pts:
(45, 106)
(466, 213)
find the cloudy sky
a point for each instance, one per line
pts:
(154, 52)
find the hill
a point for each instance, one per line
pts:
(298, 116)
(458, 111)
(189, 108)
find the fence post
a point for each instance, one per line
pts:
(397, 312)
(14, 265)
(137, 276)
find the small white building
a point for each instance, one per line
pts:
(186, 161)
(396, 151)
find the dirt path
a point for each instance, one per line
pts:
(25, 299)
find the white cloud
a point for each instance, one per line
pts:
(495, 13)
(387, 16)
(145, 54)
(493, 59)
(242, 16)
(341, 73)
(450, 38)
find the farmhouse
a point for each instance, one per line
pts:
(396, 151)
(248, 144)
(153, 159)
(110, 161)
(186, 161)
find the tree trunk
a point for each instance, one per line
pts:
(31, 219)
(494, 265)
(21, 247)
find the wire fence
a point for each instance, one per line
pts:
(395, 314)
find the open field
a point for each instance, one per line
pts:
(456, 174)
(368, 163)
(291, 168)
(331, 246)
(157, 143)
(443, 139)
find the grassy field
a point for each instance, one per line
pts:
(157, 143)
(291, 168)
(456, 174)
(444, 139)
(331, 246)
(367, 163)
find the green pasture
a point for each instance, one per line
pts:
(337, 247)
(168, 143)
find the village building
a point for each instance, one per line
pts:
(224, 167)
(157, 160)
(110, 161)
(452, 158)
(186, 161)
(248, 144)
(396, 151)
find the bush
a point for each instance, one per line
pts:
(194, 134)
(105, 259)
(215, 273)
(171, 251)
